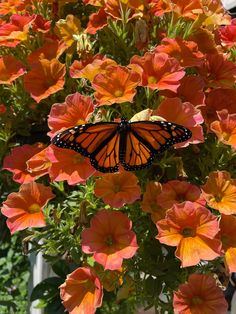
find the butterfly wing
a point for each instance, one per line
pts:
(99, 142)
(145, 139)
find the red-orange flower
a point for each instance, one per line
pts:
(192, 228)
(24, 209)
(118, 189)
(228, 238)
(75, 110)
(218, 71)
(45, 78)
(117, 85)
(186, 52)
(13, 6)
(185, 8)
(220, 192)
(82, 291)
(97, 21)
(159, 7)
(158, 71)
(39, 162)
(228, 34)
(200, 295)
(68, 165)
(173, 110)
(16, 162)
(225, 128)
(10, 69)
(109, 238)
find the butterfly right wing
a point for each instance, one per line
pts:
(99, 142)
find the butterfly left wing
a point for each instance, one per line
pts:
(145, 139)
(99, 142)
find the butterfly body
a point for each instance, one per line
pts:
(131, 144)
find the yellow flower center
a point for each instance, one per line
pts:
(118, 93)
(188, 232)
(109, 240)
(218, 198)
(196, 301)
(34, 208)
(225, 239)
(226, 136)
(116, 188)
(80, 121)
(152, 80)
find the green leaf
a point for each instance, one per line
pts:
(46, 289)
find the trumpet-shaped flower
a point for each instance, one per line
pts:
(24, 209)
(220, 192)
(82, 292)
(192, 228)
(109, 238)
(10, 69)
(200, 295)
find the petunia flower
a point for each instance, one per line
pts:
(118, 189)
(220, 192)
(187, 9)
(173, 110)
(16, 162)
(13, 6)
(158, 71)
(228, 237)
(192, 228)
(186, 52)
(68, 165)
(185, 91)
(159, 7)
(97, 21)
(117, 85)
(109, 238)
(225, 128)
(75, 110)
(82, 291)
(227, 34)
(200, 295)
(10, 69)
(39, 162)
(24, 209)
(45, 78)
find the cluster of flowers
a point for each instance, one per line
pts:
(180, 66)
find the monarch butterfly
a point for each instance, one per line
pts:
(131, 144)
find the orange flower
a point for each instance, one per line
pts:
(199, 295)
(185, 8)
(68, 165)
(109, 238)
(158, 71)
(110, 279)
(90, 67)
(117, 85)
(173, 110)
(220, 192)
(228, 34)
(24, 208)
(16, 162)
(45, 78)
(217, 100)
(10, 69)
(118, 189)
(225, 128)
(228, 238)
(159, 7)
(82, 292)
(39, 162)
(184, 91)
(97, 21)
(13, 6)
(75, 110)
(186, 52)
(218, 72)
(205, 40)
(192, 228)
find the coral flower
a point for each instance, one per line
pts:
(117, 85)
(199, 295)
(16, 162)
(97, 21)
(185, 8)
(82, 291)
(220, 192)
(109, 238)
(186, 52)
(10, 69)
(68, 165)
(118, 189)
(228, 34)
(39, 162)
(45, 78)
(24, 209)
(228, 238)
(225, 128)
(158, 71)
(185, 91)
(75, 110)
(192, 228)
(173, 110)
(13, 6)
